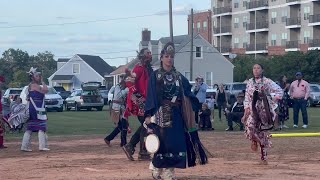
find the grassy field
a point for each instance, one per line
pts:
(98, 122)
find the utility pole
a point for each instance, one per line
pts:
(191, 52)
(170, 20)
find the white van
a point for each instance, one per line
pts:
(53, 101)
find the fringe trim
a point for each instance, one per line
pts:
(196, 152)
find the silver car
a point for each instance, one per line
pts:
(314, 98)
(234, 88)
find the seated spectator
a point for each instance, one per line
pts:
(232, 99)
(235, 113)
(205, 122)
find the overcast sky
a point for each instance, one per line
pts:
(19, 20)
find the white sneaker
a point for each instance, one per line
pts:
(26, 150)
(295, 126)
(284, 126)
(44, 149)
(305, 126)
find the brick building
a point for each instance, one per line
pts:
(202, 24)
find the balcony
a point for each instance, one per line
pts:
(314, 20)
(260, 26)
(222, 10)
(257, 5)
(224, 49)
(258, 48)
(292, 45)
(314, 44)
(293, 2)
(225, 30)
(293, 22)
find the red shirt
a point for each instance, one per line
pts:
(137, 84)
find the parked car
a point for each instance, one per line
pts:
(53, 101)
(86, 98)
(314, 98)
(234, 88)
(10, 94)
(110, 94)
(62, 92)
(104, 94)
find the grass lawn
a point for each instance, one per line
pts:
(98, 122)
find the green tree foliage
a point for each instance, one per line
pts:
(15, 63)
(275, 67)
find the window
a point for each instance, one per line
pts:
(76, 68)
(306, 13)
(245, 3)
(236, 42)
(187, 75)
(215, 23)
(209, 78)
(284, 37)
(193, 25)
(198, 26)
(273, 40)
(245, 21)
(306, 37)
(205, 25)
(236, 3)
(284, 16)
(274, 17)
(273, 0)
(199, 52)
(236, 22)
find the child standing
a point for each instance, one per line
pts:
(205, 122)
(210, 103)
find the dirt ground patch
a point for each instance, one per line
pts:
(87, 157)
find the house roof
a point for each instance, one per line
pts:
(97, 63)
(62, 77)
(154, 42)
(176, 39)
(120, 70)
(144, 43)
(63, 59)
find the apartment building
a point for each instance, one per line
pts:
(265, 27)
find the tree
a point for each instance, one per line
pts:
(277, 66)
(15, 64)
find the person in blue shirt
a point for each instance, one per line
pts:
(200, 91)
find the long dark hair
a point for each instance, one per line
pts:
(281, 82)
(261, 66)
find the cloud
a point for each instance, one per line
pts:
(3, 22)
(178, 10)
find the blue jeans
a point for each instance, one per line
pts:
(297, 105)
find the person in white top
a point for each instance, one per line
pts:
(118, 107)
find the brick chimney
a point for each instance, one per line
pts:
(146, 35)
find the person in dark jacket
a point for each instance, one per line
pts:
(235, 112)
(205, 113)
(221, 99)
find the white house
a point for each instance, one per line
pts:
(79, 69)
